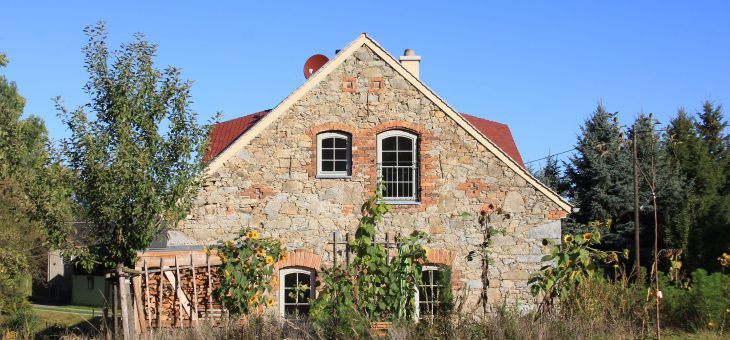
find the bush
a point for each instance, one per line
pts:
(704, 305)
(21, 320)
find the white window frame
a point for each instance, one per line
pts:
(334, 174)
(417, 299)
(413, 198)
(282, 292)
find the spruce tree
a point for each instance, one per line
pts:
(600, 176)
(551, 176)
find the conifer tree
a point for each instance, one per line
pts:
(551, 176)
(599, 176)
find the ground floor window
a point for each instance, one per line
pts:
(296, 290)
(429, 292)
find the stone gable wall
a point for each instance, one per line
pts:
(271, 184)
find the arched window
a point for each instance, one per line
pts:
(296, 291)
(429, 292)
(398, 166)
(334, 157)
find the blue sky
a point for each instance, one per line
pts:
(540, 67)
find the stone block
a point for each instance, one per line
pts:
(549, 230)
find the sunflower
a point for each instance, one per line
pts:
(274, 280)
(261, 251)
(269, 260)
(568, 238)
(228, 273)
(284, 256)
(253, 300)
(587, 236)
(254, 235)
(230, 244)
(222, 257)
(249, 234)
(425, 250)
(269, 302)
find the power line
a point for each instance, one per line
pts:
(551, 155)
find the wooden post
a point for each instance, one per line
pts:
(347, 249)
(334, 248)
(209, 288)
(387, 248)
(194, 317)
(177, 294)
(160, 283)
(147, 307)
(105, 312)
(115, 289)
(125, 300)
(138, 309)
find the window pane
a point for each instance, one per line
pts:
(341, 166)
(405, 158)
(290, 295)
(304, 279)
(389, 143)
(340, 142)
(327, 154)
(389, 190)
(327, 142)
(426, 277)
(389, 158)
(328, 165)
(405, 143)
(341, 154)
(290, 280)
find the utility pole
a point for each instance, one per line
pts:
(637, 262)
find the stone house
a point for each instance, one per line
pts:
(301, 171)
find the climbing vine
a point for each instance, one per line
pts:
(375, 286)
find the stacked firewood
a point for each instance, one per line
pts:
(171, 306)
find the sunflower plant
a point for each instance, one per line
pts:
(247, 269)
(574, 260)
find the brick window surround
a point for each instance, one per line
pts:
(364, 157)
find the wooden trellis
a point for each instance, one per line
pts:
(342, 247)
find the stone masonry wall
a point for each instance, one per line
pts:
(271, 183)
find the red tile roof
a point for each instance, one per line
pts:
(499, 134)
(225, 133)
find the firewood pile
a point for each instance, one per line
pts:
(195, 299)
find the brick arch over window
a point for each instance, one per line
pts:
(445, 257)
(335, 127)
(427, 164)
(300, 258)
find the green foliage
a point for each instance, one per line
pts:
(375, 286)
(334, 314)
(22, 321)
(135, 157)
(599, 175)
(698, 149)
(385, 286)
(705, 304)
(248, 265)
(575, 260)
(24, 166)
(551, 175)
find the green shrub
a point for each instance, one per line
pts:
(703, 305)
(21, 320)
